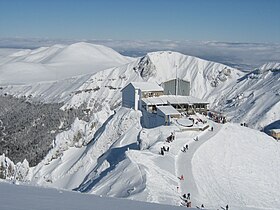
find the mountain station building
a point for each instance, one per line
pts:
(158, 107)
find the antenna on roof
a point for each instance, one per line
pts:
(176, 82)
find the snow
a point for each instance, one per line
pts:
(238, 166)
(20, 197)
(168, 110)
(173, 99)
(58, 62)
(116, 157)
(252, 98)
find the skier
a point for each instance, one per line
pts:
(185, 196)
(212, 128)
(161, 151)
(202, 206)
(226, 207)
(181, 177)
(187, 146)
(189, 196)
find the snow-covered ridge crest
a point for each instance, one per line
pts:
(205, 76)
(219, 84)
(273, 66)
(101, 155)
(58, 62)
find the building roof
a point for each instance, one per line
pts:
(276, 130)
(168, 110)
(147, 86)
(173, 99)
(180, 80)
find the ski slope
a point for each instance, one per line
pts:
(238, 166)
(22, 197)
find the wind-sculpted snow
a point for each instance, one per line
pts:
(255, 99)
(72, 163)
(58, 62)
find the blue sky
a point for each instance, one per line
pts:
(215, 20)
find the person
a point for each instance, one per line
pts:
(167, 149)
(187, 146)
(184, 149)
(202, 206)
(212, 128)
(161, 151)
(185, 196)
(226, 207)
(189, 196)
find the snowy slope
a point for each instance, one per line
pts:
(20, 197)
(255, 99)
(207, 78)
(238, 166)
(102, 156)
(70, 162)
(58, 62)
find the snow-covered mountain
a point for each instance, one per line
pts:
(252, 98)
(58, 62)
(255, 98)
(105, 151)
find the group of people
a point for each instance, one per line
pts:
(244, 124)
(217, 117)
(187, 199)
(164, 149)
(170, 138)
(185, 148)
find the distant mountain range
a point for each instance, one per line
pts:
(82, 139)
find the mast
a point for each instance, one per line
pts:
(176, 82)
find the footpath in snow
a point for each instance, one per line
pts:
(183, 160)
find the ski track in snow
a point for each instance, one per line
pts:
(184, 163)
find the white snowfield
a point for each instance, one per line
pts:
(231, 165)
(252, 98)
(116, 157)
(58, 62)
(239, 166)
(19, 197)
